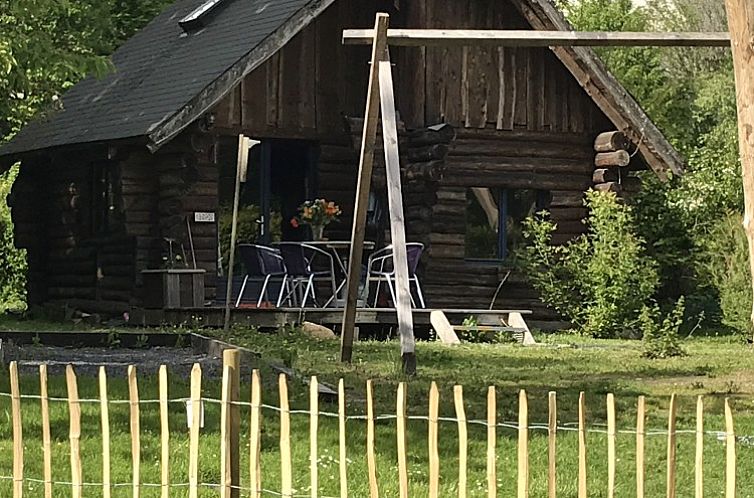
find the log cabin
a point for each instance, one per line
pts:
(145, 156)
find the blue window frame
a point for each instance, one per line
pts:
(494, 219)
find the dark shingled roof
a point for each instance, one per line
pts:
(165, 78)
(157, 72)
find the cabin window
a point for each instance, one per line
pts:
(494, 220)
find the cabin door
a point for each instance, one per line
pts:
(285, 172)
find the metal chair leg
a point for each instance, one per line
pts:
(377, 292)
(392, 290)
(419, 293)
(309, 288)
(283, 289)
(263, 292)
(243, 288)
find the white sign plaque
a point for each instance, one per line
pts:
(204, 217)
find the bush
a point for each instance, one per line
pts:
(13, 273)
(661, 339)
(599, 281)
(725, 264)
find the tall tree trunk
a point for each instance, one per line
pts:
(741, 26)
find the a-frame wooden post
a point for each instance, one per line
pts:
(241, 166)
(741, 26)
(366, 161)
(397, 225)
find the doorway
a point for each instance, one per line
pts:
(281, 175)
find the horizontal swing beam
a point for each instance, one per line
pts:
(535, 38)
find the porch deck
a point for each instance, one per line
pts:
(212, 316)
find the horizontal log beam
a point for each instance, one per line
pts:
(536, 38)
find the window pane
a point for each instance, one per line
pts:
(482, 214)
(521, 205)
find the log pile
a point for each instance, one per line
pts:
(611, 162)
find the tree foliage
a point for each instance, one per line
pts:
(690, 94)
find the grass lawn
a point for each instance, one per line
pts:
(715, 367)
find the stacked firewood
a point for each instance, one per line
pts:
(612, 163)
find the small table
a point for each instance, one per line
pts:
(341, 250)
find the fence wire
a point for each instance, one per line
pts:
(513, 425)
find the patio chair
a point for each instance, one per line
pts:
(305, 265)
(380, 269)
(261, 263)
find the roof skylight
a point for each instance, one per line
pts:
(199, 17)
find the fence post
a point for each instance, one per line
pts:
(74, 414)
(523, 445)
(46, 442)
(401, 442)
(610, 445)
(313, 428)
(670, 485)
(371, 459)
(343, 463)
(582, 446)
(196, 413)
(552, 431)
(432, 432)
(255, 468)
(133, 395)
(105, 424)
(462, 440)
(18, 439)
(640, 410)
(286, 473)
(730, 453)
(230, 457)
(699, 460)
(164, 433)
(491, 442)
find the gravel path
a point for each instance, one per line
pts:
(87, 360)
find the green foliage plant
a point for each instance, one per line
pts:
(13, 274)
(660, 334)
(599, 281)
(724, 264)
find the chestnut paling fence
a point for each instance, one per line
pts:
(230, 439)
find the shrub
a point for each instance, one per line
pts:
(660, 334)
(725, 264)
(601, 280)
(13, 272)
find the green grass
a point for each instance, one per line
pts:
(715, 367)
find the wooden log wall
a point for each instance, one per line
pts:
(304, 90)
(559, 163)
(72, 259)
(478, 87)
(614, 165)
(163, 191)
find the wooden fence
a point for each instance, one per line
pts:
(230, 439)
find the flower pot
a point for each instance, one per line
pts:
(173, 288)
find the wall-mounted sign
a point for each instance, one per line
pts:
(204, 217)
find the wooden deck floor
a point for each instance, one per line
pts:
(212, 316)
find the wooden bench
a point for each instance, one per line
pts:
(507, 321)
